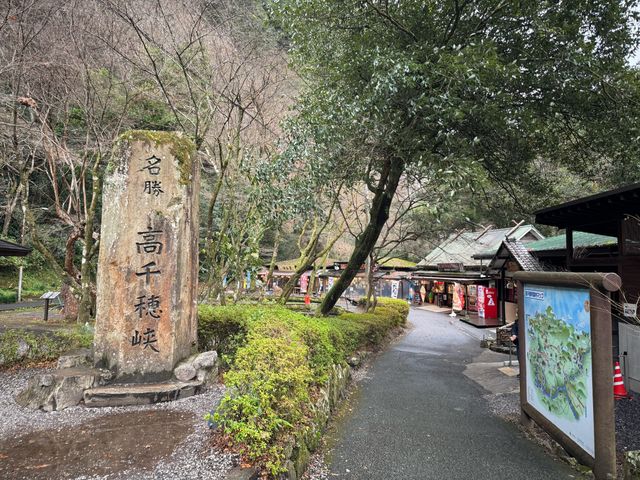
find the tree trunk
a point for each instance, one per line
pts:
(86, 292)
(16, 191)
(370, 283)
(312, 279)
(365, 243)
(274, 257)
(305, 265)
(70, 300)
(9, 209)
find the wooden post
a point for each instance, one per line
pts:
(20, 272)
(503, 293)
(46, 309)
(603, 403)
(569, 245)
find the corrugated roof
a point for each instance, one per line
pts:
(292, 265)
(460, 247)
(599, 213)
(10, 249)
(395, 262)
(580, 239)
(527, 262)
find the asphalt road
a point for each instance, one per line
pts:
(417, 416)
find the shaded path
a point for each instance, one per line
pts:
(418, 417)
(25, 304)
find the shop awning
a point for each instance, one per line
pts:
(448, 277)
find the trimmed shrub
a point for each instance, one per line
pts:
(269, 387)
(401, 306)
(275, 358)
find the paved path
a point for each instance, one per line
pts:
(26, 304)
(418, 417)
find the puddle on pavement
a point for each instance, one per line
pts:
(106, 445)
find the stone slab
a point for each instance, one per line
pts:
(119, 395)
(77, 358)
(489, 377)
(243, 473)
(509, 371)
(60, 389)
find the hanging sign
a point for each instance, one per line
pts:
(394, 288)
(630, 309)
(458, 297)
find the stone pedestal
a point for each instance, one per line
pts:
(148, 263)
(60, 389)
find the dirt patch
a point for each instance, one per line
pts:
(106, 445)
(31, 320)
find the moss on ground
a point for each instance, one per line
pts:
(23, 346)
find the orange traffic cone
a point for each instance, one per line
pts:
(618, 383)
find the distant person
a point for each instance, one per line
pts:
(514, 338)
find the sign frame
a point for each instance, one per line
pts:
(599, 285)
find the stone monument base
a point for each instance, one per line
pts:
(122, 395)
(76, 382)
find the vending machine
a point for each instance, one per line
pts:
(487, 304)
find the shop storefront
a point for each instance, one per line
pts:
(463, 292)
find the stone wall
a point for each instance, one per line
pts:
(631, 465)
(307, 441)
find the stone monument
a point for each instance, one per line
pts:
(148, 265)
(146, 318)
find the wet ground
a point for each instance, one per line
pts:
(21, 305)
(152, 442)
(32, 319)
(421, 415)
(106, 445)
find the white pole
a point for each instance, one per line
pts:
(20, 284)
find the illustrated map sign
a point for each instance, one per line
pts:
(558, 359)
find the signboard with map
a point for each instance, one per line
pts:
(559, 371)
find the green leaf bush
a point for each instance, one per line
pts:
(276, 358)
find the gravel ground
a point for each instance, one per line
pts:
(627, 412)
(194, 458)
(505, 405)
(627, 428)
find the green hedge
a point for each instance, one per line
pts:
(22, 345)
(276, 357)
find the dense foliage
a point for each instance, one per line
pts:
(461, 91)
(276, 358)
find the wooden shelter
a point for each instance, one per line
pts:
(614, 213)
(10, 249)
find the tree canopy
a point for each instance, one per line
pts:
(466, 89)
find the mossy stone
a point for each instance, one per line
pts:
(181, 147)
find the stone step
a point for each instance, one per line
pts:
(118, 395)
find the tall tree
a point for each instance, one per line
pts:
(451, 85)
